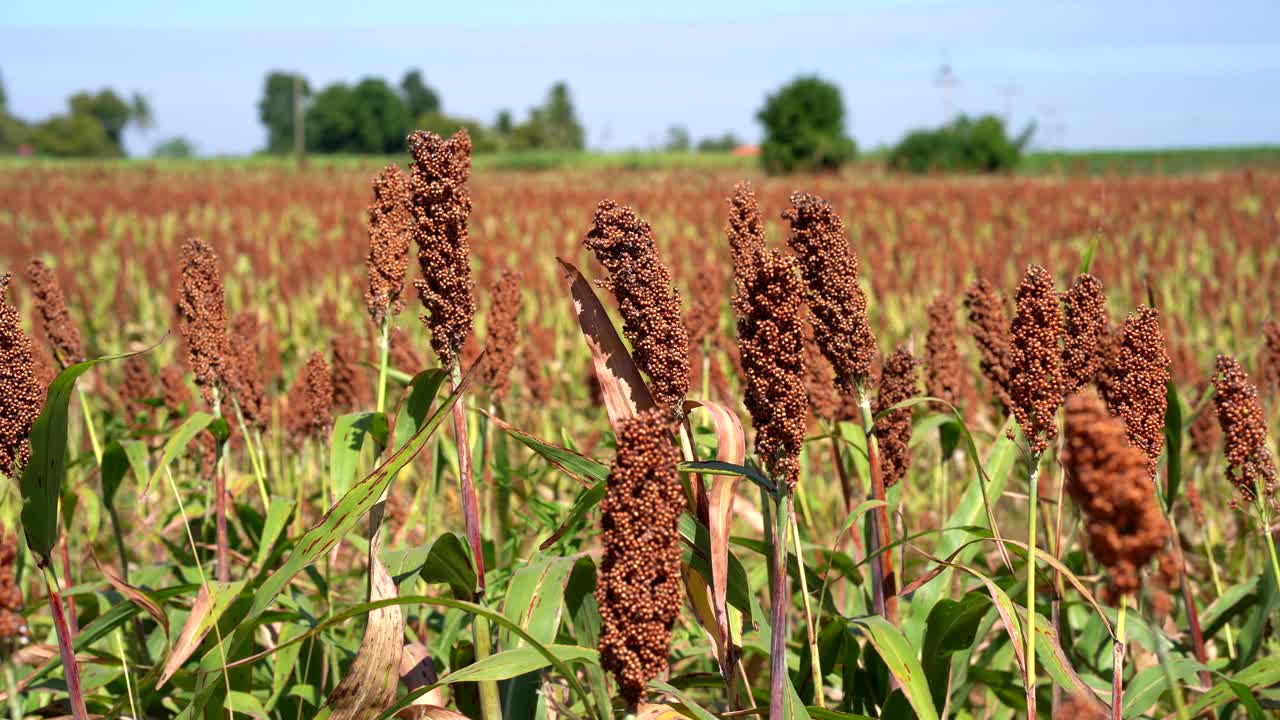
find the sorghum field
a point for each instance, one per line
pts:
(584, 444)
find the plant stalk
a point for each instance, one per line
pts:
(1117, 661)
(884, 586)
(71, 669)
(384, 354)
(815, 661)
(778, 612)
(1033, 500)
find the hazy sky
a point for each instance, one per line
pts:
(1093, 73)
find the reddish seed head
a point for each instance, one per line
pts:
(650, 306)
(639, 584)
(441, 208)
(1086, 331)
(1271, 355)
(246, 383)
(1107, 479)
(13, 626)
(310, 402)
(1136, 380)
(990, 327)
(59, 329)
(391, 226)
(898, 383)
(1035, 358)
(502, 335)
(351, 389)
(1250, 466)
(21, 397)
(174, 390)
(745, 228)
(403, 355)
(202, 317)
(945, 371)
(830, 270)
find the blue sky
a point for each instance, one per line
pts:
(1092, 73)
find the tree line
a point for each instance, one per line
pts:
(92, 126)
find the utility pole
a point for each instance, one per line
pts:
(1009, 92)
(299, 129)
(946, 80)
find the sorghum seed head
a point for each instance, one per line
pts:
(1250, 466)
(202, 317)
(771, 319)
(1035, 358)
(502, 335)
(174, 390)
(830, 270)
(1137, 376)
(1271, 355)
(1107, 479)
(21, 397)
(13, 627)
(745, 228)
(350, 381)
(703, 318)
(898, 383)
(310, 409)
(137, 386)
(819, 378)
(404, 357)
(245, 379)
(60, 330)
(391, 226)
(650, 306)
(1204, 429)
(1086, 329)
(944, 370)
(441, 208)
(639, 583)
(990, 327)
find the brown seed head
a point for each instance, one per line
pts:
(830, 270)
(898, 383)
(1204, 430)
(503, 334)
(990, 327)
(391, 226)
(60, 330)
(404, 356)
(202, 317)
(310, 410)
(245, 379)
(745, 228)
(945, 371)
(1137, 375)
(771, 319)
(174, 390)
(441, 208)
(13, 627)
(1086, 330)
(1107, 478)
(1035, 358)
(650, 306)
(703, 318)
(819, 378)
(351, 389)
(137, 387)
(639, 584)
(1244, 428)
(21, 397)
(1271, 355)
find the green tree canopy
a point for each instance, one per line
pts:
(965, 145)
(419, 97)
(74, 135)
(804, 127)
(367, 118)
(107, 108)
(275, 109)
(174, 147)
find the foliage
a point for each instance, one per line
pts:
(483, 140)
(74, 135)
(174, 147)
(276, 109)
(804, 128)
(368, 118)
(722, 144)
(419, 98)
(678, 139)
(965, 145)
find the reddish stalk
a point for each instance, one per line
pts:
(884, 585)
(72, 622)
(467, 490)
(222, 553)
(71, 669)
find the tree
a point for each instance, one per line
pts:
(560, 127)
(174, 147)
(108, 109)
(419, 97)
(503, 123)
(678, 139)
(369, 118)
(723, 144)
(4, 98)
(965, 145)
(804, 127)
(74, 135)
(275, 109)
(482, 139)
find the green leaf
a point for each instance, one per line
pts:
(449, 561)
(349, 432)
(900, 658)
(1261, 674)
(1231, 602)
(518, 661)
(416, 405)
(45, 473)
(950, 628)
(585, 503)
(1086, 260)
(719, 467)
(818, 713)
(177, 443)
(535, 597)
(272, 527)
(585, 470)
(1173, 442)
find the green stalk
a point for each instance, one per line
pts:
(1033, 500)
(11, 684)
(490, 705)
(1266, 531)
(259, 474)
(384, 350)
(1117, 661)
(814, 660)
(88, 423)
(1217, 587)
(884, 585)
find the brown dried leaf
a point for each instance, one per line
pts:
(370, 684)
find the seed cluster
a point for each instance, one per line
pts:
(1107, 479)
(202, 317)
(639, 582)
(830, 271)
(944, 369)
(391, 226)
(310, 402)
(1271, 359)
(650, 306)
(502, 335)
(12, 625)
(1035, 358)
(1244, 428)
(351, 388)
(703, 318)
(990, 328)
(441, 208)
(771, 319)
(60, 330)
(402, 354)
(245, 377)
(820, 379)
(1086, 329)
(1204, 430)
(137, 387)
(1137, 373)
(745, 228)
(21, 397)
(898, 383)
(174, 390)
